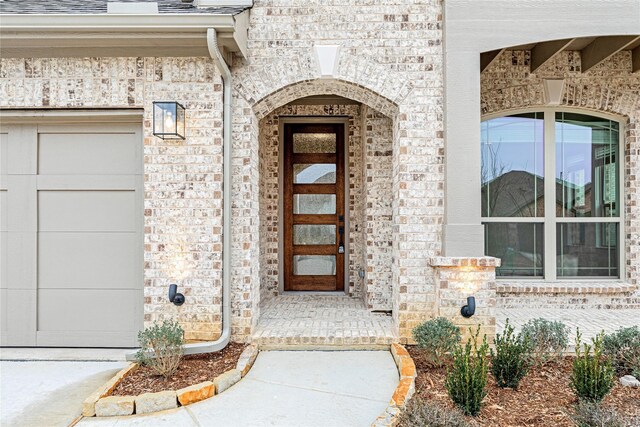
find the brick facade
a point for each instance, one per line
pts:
(390, 61)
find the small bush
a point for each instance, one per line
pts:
(593, 376)
(161, 347)
(437, 337)
(467, 380)
(420, 413)
(623, 347)
(512, 358)
(549, 339)
(590, 414)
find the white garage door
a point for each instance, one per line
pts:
(71, 206)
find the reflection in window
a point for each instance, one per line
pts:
(311, 265)
(518, 245)
(586, 185)
(317, 173)
(513, 166)
(587, 249)
(314, 142)
(586, 166)
(314, 204)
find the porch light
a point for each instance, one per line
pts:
(469, 309)
(168, 120)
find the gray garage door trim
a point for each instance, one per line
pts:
(71, 253)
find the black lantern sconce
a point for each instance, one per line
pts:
(168, 120)
(469, 309)
(174, 296)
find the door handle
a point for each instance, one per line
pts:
(341, 241)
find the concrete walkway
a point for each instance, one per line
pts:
(290, 388)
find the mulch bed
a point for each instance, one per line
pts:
(193, 369)
(544, 397)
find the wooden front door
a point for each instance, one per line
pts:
(314, 226)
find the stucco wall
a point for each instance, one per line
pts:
(183, 179)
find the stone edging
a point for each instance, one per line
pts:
(405, 389)
(101, 404)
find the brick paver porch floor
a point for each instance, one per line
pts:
(590, 321)
(321, 322)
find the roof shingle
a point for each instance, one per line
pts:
(100, 6)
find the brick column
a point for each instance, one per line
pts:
(457, 278)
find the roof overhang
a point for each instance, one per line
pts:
(119, 35)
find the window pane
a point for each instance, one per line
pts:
(587, 249)
(314, 142)
(513, 166)
(307, 265)
(304, 234)
(518, 245)
(586, 166)
(314, 204)
(318, 173)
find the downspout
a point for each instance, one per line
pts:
(220, 343)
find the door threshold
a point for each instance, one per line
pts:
(318, 293)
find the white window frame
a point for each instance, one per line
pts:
(550, 220)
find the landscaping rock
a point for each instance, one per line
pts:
(629, 381)
(154, 402)
(248, 356)
(226, 380)
(112, 406)
(196, 393)
(89, 404)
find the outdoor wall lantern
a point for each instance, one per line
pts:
(168, 120)
(174, 296)
(469, 309)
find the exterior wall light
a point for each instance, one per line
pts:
(469, 309)
(174, 296)
(168, 120)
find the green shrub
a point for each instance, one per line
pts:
(467, 379)
(437, 337)
(590, 414)
(549, 339)
(512, 358)
(420, 413)
(161, 347)
(593, 376)
(623, 347)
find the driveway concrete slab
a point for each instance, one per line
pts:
(48, 394)
(68, 354)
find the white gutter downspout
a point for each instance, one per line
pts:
(220, 343)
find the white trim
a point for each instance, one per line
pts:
(311, 119)
(104, 22)
(550, 219)
(223, 3)
(69, 115)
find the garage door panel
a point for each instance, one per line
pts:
(3, 210)
(3, 316)
(87, 211)
(4, 143)
(87, 153)
(88, 260)
(87, 310)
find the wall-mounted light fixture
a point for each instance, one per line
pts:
(168, 120)
(174, 296)
(469, 309)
